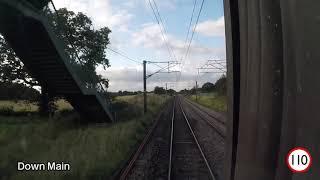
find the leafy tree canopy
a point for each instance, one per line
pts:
(221, 85)
(15, 91)
(11, 68)
(207, 87)
(159, 90)
(84, 44)
(171, 92)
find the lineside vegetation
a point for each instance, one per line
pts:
(93, 151)
(212, 100)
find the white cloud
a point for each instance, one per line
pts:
(167, 4)
(101, 12)
(130, 79)
(150, 37)
(117, 17)
(163, 5)
(212, 27)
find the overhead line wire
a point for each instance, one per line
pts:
(164, 29)
(186, 40)
(190, 23)
(162, 33)
(123, 55)
(194, 29)
(192, 35)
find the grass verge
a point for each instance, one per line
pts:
(94, 152)
(212, 101)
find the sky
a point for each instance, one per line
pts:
(136, 34)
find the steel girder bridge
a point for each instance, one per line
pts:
(28, 31)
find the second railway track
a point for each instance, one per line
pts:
(214, 122)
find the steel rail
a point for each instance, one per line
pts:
(171, 140)
(195, 140)
(197, 107)
(128, 168)
(222, 134)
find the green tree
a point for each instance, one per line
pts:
(159, 90)
(207, 87)
(84, 44)
(15, 91)
(221, 85)
(11, 68)
(171, 92)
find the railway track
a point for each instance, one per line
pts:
(187, 160)
(214, 122)
(144, 165)
(182, 156)
(214, 116)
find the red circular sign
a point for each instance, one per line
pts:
(299, 160)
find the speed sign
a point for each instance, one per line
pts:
(299, 160)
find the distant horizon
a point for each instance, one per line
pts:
(136, 34)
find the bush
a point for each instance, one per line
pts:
(221, 85)
(207, 87)
(159, 90)
(124, 110)
(9, 91)
(9, 111)
(6, 111)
